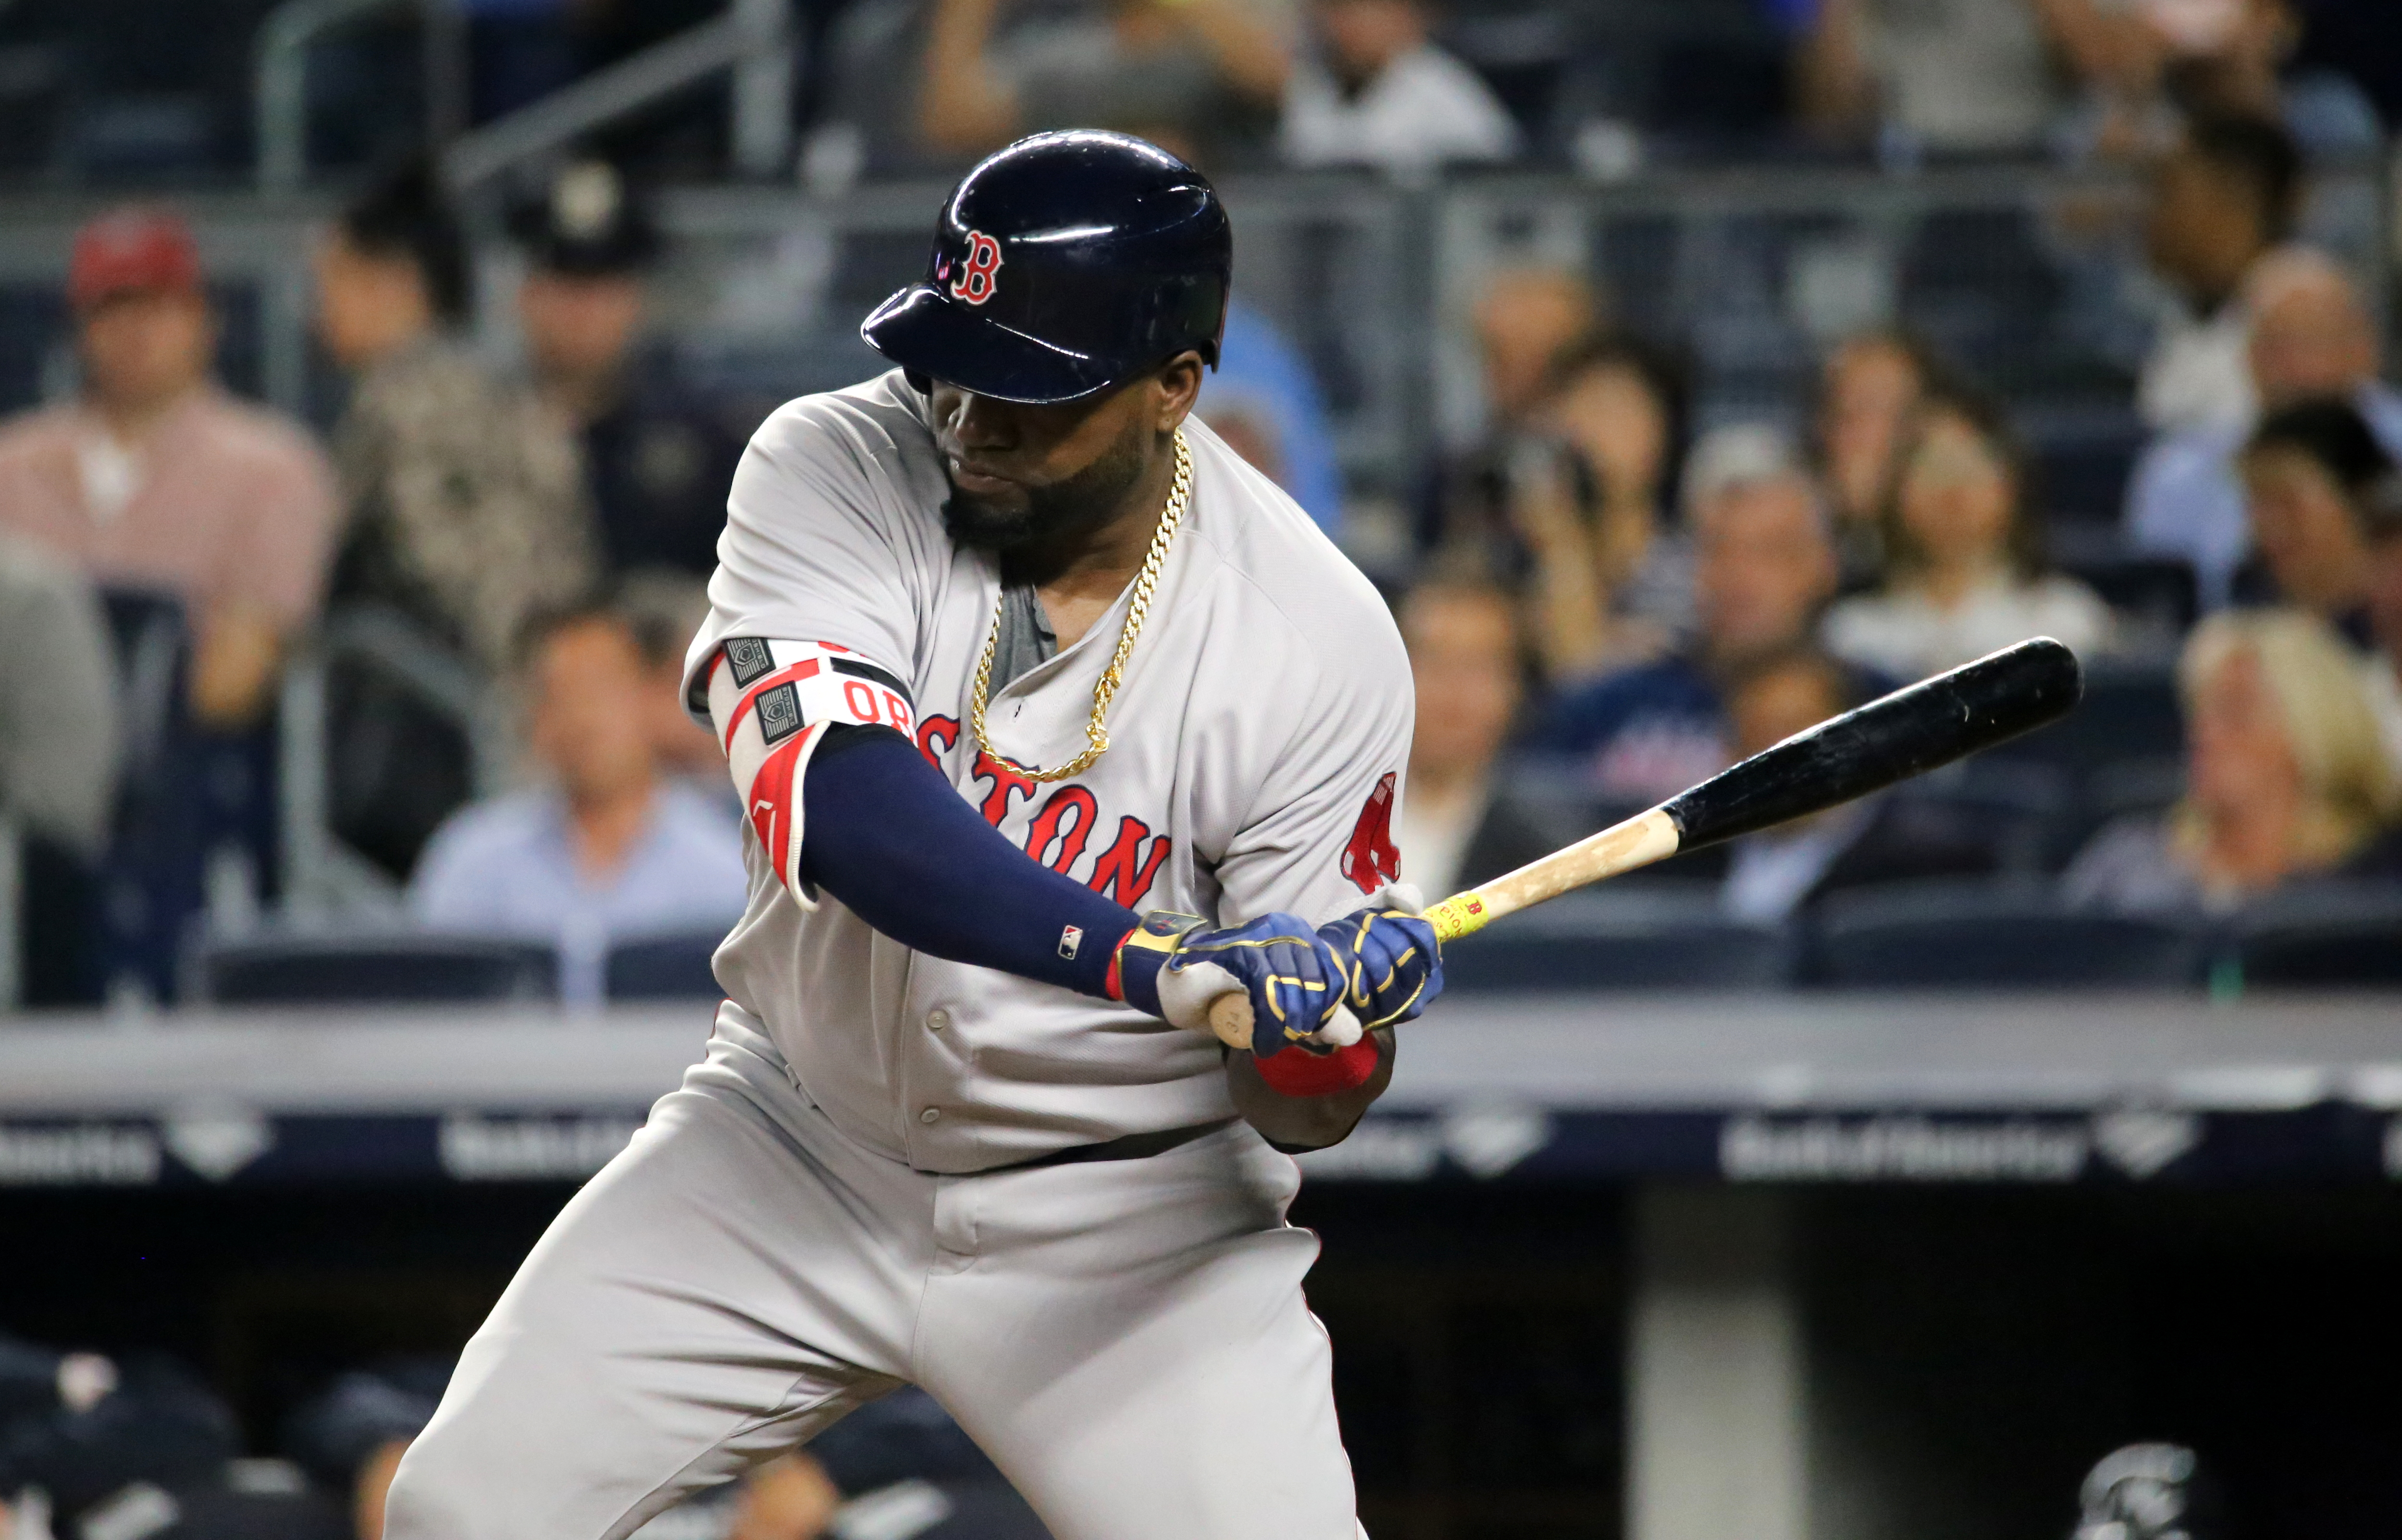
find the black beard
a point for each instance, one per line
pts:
(1037, 538)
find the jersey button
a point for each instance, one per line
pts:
(932, 1115)
(938, 1021)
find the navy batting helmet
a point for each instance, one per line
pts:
(1064, 265)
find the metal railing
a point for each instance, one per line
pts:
(281, 76)
(751, 39)
(320, 874)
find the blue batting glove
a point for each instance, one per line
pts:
(1392, 965)
(1291, 975)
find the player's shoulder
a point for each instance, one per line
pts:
(868, 426)
(1300, 590)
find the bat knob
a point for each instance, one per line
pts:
(1230, 1018)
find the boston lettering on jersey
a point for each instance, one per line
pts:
(1063, 824)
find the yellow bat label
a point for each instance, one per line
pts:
(1460, 915)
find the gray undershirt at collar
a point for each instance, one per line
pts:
(1026, 641)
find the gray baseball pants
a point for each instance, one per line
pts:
(1126, 1339)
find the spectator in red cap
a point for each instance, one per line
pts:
(154, 478)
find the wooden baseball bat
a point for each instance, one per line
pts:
(1905, 734)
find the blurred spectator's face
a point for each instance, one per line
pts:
(1871, 388)
(1363, 36)
(2312, 338)
(680, 744)
(1525, 321)
(1955, 496)
(145, 347)
(2239, 756)
(2204, 230)
(1463, 647)
(1763, 567)
(367, 305)
(1779, 701)
(592, 725)
(2304, 528)
(1611, 415)
(579, 328)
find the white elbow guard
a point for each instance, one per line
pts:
(770, 702)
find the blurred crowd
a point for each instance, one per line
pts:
(1396, 83)
(475, 588)
(141, 1445)
(536, 539)
(1606, 604)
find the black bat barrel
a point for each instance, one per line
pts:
(1929, 725)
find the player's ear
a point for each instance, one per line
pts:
(1178, 386)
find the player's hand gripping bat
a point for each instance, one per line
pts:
(1905, 734)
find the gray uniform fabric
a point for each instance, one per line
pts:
(1126, 1339)
(839, 1200)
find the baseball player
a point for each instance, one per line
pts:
(1054, 723)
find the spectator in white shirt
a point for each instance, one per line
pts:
(2221, 201)
(1963, 572)
(610, 848)
(1378, 92)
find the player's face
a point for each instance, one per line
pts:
(1025, 475)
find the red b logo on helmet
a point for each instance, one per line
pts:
(975, 283)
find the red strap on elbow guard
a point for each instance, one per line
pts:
(1298, 1072)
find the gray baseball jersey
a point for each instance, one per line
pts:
(1257, 746)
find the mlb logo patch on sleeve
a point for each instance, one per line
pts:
(1070, 939)
(779, 713)
(749, 657)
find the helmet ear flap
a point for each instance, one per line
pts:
(919, 382)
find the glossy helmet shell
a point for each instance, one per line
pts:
(1062, 266)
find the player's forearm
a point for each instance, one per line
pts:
(1295, 1123)
(891, 839)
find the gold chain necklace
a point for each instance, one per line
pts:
(1146, 583)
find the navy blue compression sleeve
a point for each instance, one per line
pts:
(903, 850)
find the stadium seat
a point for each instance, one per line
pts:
(665, 968)
(1637, 940)
(2129, 712)
(2008, 806)
(2082, 461)
(2136, 788)
(1993, 936)
(2155, 597)
(372, 970)
(2330, 936)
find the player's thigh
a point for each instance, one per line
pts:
(709, 1298)
(1209, 1415)
(1137, 1380)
